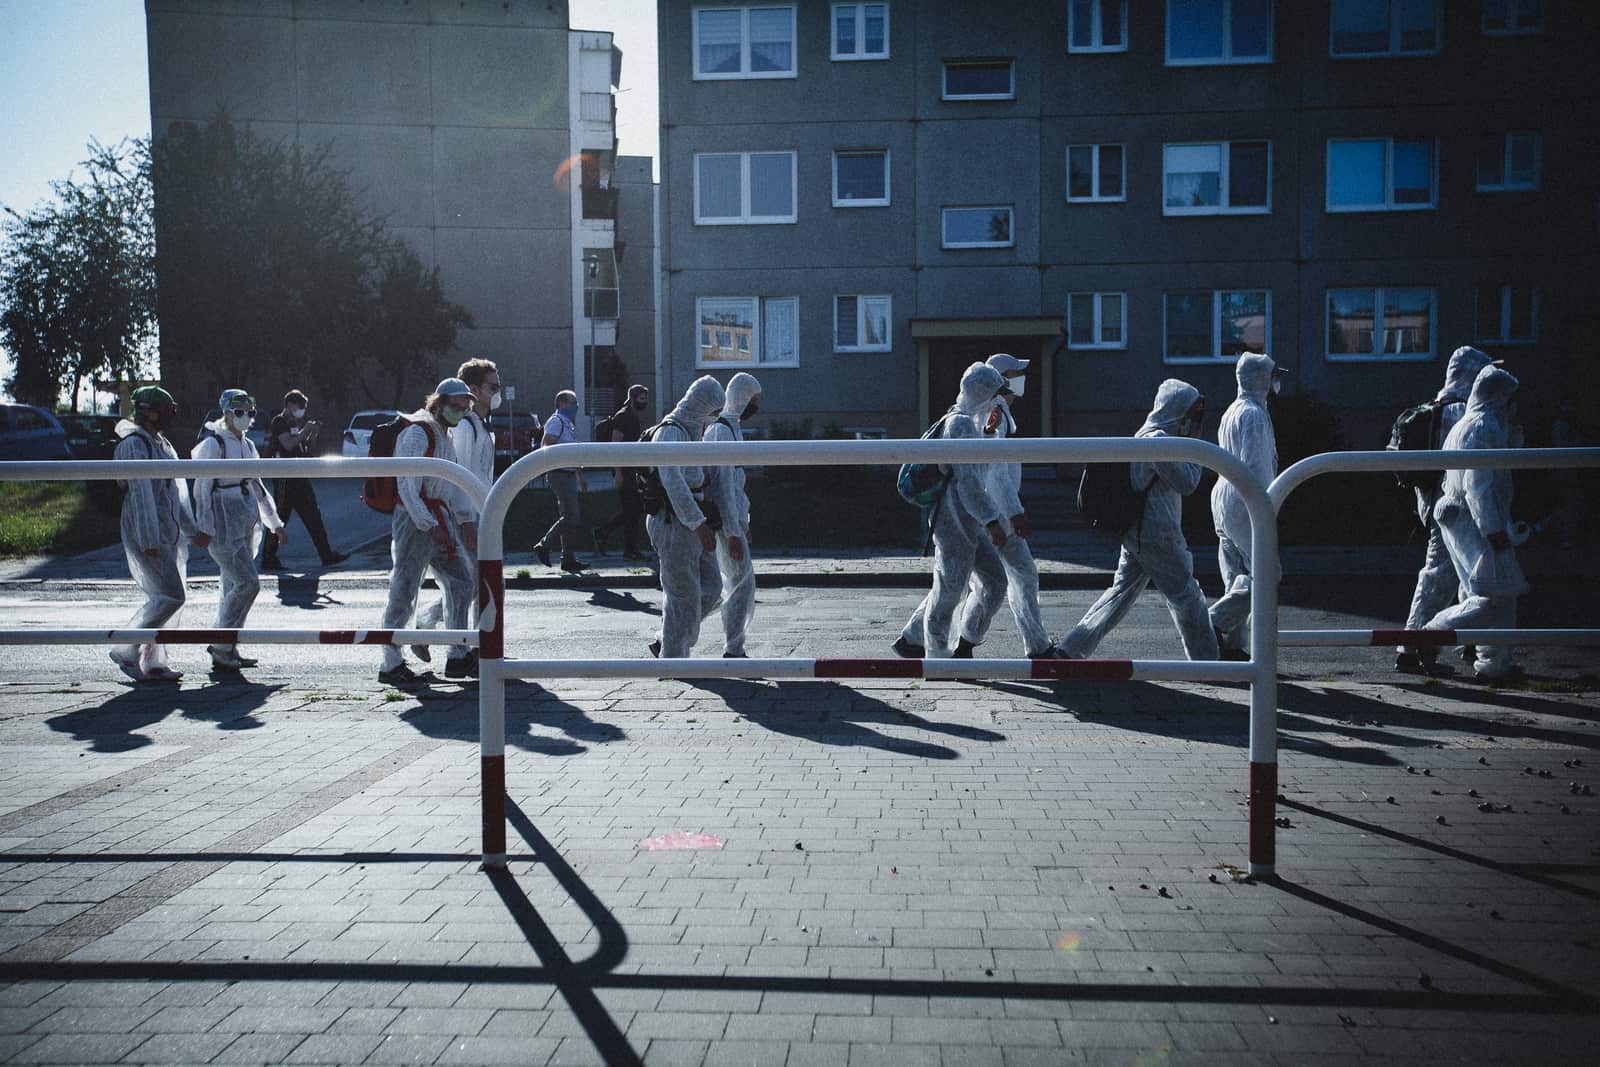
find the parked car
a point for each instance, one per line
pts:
(514, 437)
(90, 436)
(359, 433)
(27, 432)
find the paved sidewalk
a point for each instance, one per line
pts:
(934, 873)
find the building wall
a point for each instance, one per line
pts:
(636, 268)
(1014, 152)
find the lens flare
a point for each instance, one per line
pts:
(1067, 941)
(1155, 1057)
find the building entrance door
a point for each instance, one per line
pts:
(949, 357)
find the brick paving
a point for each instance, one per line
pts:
(933, 873)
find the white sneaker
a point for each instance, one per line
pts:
(162, 674)
(224, 658)
(129, 665)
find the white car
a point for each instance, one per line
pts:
(359, 433)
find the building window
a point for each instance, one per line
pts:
(1503, 17)
(748, 331)
(1358, 28)
(744, 188)
(861, 177)
(1387, 324)
(1381, 174)
(976, 227)
(1204, 326)
(1507, 314)
(979, 79)
(1097, 320)
(743, 42)
(1097, 25)
(860, 31)
(1205, 32)
(1509, 163)
(1221, 178)
(862, 323)
(1095, 172)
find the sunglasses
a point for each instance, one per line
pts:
(240, 413)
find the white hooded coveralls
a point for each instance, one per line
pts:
(727, 489)
(232, 511)
(473, 444)
(1246, 432)
(1155, 551)
(689, 577)
(155, 515)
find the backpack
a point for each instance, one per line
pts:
(923, 484)
(651, 494)
(1106, 498)
(382, 492)
(1416, 429)
(603, 428)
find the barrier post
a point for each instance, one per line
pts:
(1265, 572)
(492, 707)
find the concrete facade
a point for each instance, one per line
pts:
(950, 305)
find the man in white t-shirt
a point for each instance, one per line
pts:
(566, 484)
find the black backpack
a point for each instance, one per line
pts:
(1106, 498)
(1416, 429)
(603, 428)
(651, 495)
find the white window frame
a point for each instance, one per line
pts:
(745, 218)
(757, 333)
(1226, 186)
(1394, 50)
(1010, 211)
(861, 322)
(1509, 29)
(1098, 303)
(1506, 185)
(1216, 329)
(744, 72)
(1097, 28)
(1378, 329)
(861, 34)
(1096, 197)
(875, 202)
(944, 79)
(1505, 316)
(1388, 203)
(1227, 58)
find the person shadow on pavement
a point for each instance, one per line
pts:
(831, 714)
(614, 601)
(303, 591)
(114, 725)
(450, 717)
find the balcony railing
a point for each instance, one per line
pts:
(594, 107)
(600, 303)
(599, 203)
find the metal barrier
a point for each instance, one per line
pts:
(109, 469)
(1454, 459)
(1261, 671)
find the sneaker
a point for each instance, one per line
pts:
(655, 648)
(335, 559)
(128, 665)
(1051, 652)
(1233, 655)
(574, 565)
(1409, 663)
(422, 652)
(907, 649)
(162, 674)
(224, 658)
(963, 649)
(599, 542)
(542, 550)
(735, 655)
(462, 667)
(401, 676)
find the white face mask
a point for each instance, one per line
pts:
(494, 402)
(240, 424)
(1019, 384)
(297, 413)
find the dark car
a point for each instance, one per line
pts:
(90, 436)
(27, 432)
(514, 437)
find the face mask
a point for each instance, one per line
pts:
(240, 423)
(568, 413)
(641, 404)
(749, 411)
(1019, 385)
(452, 415)
(297, 413)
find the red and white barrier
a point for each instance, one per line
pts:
(1099, 670)
(179, 636)
(1434, 638)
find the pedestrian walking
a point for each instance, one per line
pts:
(1246, 432)
(157, 526)
(568, 486)
(291, 435)
(231, 512)
(742, 399)
(682, 526)
(624, 425)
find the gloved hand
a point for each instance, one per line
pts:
(439, 535)
(735, 549)
(1520, 532)
(282, 535)
(469, 536)
(707, 536)
(199, 540)
(997, 534)
(1021, 526)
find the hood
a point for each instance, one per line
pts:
(1254, 373)
(700, 403)
(1462, 371)
(741, 388)
(1491, 391)
(979, 386)
(219, 426)
(1006, 363)
(126, 427)
(1173, 400)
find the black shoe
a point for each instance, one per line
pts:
(1233, 655)
(734, 655)
(655, 648)
(1051, 652)
(335, 559)
(599, 542)
(543, 552)
(907, 649)
(963, 649)
(1469, 654)
(271, 563)
(465, 667)
(574, 565)
(1409, 663)
(401, 676)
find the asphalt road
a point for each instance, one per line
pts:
(591, 621)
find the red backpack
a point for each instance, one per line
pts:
(382, 493)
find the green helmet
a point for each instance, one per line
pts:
(152, 398)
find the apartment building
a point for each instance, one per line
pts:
(861, 198)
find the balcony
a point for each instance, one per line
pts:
(599, 203)
(594, 107)
(600, 303)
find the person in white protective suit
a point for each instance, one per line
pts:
(1246, 432)
(231, 511)
(1474, 516)
(157, 525)
(1008, 574)
(1154, 550)
(742, 401)
(685, 542)
(473, 444)
(1437, 587)
(434, 526)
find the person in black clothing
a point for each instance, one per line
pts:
(625, 427)
(293, 436)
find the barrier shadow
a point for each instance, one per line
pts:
(528, 705)
(114, 725)
(1348, 705)
(828, 713)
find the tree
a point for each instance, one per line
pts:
(409, 326)
(77, 279)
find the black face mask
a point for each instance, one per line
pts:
(749, 411)
(641, 404)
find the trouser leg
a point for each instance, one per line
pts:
(1188, 610)
(411, 550)
(1494, 661)
(738, 589)
(1437, 584)
(1022, 594)
(914, 631)
(564, 484)
(632, 513)
(984, 593)
(160, 579)
(1110, 609)
(954, 551)
(1230, 615)
(457, 580)
(682, 574)
(236, 565)
(311, 515)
